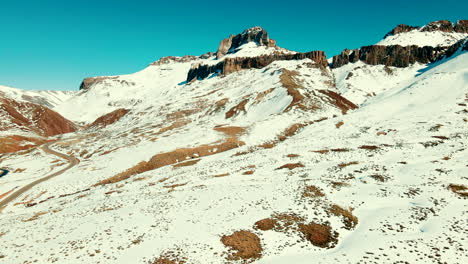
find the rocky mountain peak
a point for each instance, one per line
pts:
(440, 25)
(402, 28)
(253, 34)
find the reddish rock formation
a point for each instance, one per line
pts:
(402, 28)
(109, 118)
(230, 65)
(33, 117)
(255, 34)
(88, 82)
(441, 25)
(461, 26)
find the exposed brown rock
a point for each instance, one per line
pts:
(88, 82)
(461, 26)
(441, 25)
(255, 34)
(109, 118)
(402, 28)
(393, 55)
(230, 65)
(245, 244)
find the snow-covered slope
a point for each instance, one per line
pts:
(270, 164)
(421, 38)
(43, 97)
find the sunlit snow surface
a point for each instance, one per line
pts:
(412, 216)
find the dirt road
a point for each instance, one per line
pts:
(72, 162)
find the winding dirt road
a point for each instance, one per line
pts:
(72, 162)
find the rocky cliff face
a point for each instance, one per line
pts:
(402, 28)
(255, 34)
(230, 65)
(395, 55)
(441, 25)
(461, 26)
(88, 82)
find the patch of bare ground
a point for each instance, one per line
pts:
(262, 95)
(339, 124)
(378, 177)
(174, 125)
(219, 105)
(349, 220)
(221, 175)
(292, 156)
(109, 118)
(240, 107)
(265, 224)
(291, 166)
(169, 257)
(244, 245)
(16, 143)
(292, 86)
(339, 185)
(187, 163)
(346, 164)
(312, 191)
(459, 189)
(287, 221)
(231, 131)
(319, 235)
(249, 172)
(369, 147)
(325, 151)
(172, 157)
(339, 101)
(34, 217)
(441, 137)
(6, 194)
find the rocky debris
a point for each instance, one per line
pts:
(171, 59)
(441, 25)
(254, 34)
(402, 28)
(461, 26)
(230, 65)
(109, 118)
(33, 117)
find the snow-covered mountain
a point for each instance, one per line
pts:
(254, 154)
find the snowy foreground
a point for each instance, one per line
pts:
(383, 177)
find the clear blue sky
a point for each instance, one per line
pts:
(53, 44)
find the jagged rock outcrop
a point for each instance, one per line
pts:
(231, 65)
(255, 34)
(394, 55)
(171, 59)
(441, 25)
(402, 28)
(461, 26)
(88, 82)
